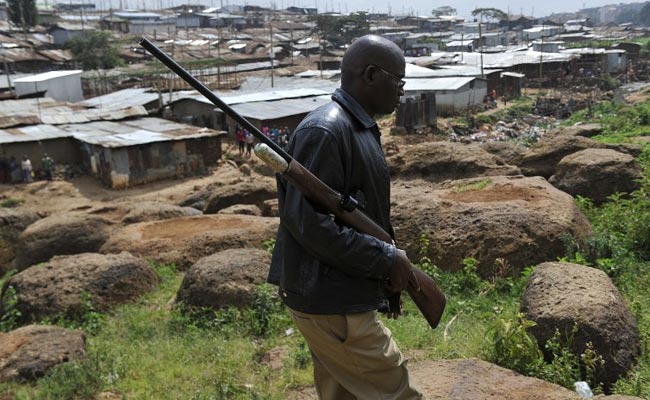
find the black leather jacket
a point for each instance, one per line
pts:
(322, 266)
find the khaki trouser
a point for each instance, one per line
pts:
(355, 357)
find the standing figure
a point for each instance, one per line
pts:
(333, 278)
(250, 139)
(48, 166)
(241, 140)
(26, 167)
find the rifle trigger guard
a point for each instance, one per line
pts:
(348, 203)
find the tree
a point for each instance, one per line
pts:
(95, 50)
(490, 13)
(22, 13)
(443, 10)
(342, 29)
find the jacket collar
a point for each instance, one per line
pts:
(348, 102)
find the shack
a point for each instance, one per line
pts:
(59, 85)
(453, 95)
(127, 153)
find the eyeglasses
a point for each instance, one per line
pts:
(400, 81)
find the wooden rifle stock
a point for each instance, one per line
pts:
(422, 288)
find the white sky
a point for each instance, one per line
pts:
(424, 7)
(419, 7)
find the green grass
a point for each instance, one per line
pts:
(621, 123)
(11, 202)
(478, 185)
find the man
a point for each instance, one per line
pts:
(26, 167)
(333, 278)
(48, 166)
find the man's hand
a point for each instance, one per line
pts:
(399, 275)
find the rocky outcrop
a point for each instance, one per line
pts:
(542, 158)
(12, 223)
(156, 211)
(63, 286)
(60, 234)
(227, 278)
(508, 152)
(559, 295)
(27, 353)
(439, 161)
(216, 197)
(596, 174)
(244, 209)
(183, 241)
(524, 221)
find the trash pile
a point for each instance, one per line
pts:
(527, 130)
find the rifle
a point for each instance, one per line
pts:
(422, 288)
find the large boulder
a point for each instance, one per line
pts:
(521, 220)
(559, 295)
(508, 152)
(27, 353)
(61, 234)
(596, 174)
(584, 130)
(439, 161)
(183, 241)
(62, 286)
(216, 197)
(227, 278)
(155, 211)
(12, 223)
(474, 379)
(543, 157)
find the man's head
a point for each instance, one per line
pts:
(372, 71)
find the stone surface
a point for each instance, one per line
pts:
(60, 234)
(244, 191)
(439, 161)
(155, 211)
(61, 286)
(596, 174)
(559, 295)
(227, 278)
(542, 158)
(522, 220)
(27, 353)
(183, 241)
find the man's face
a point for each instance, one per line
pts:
(391, 86)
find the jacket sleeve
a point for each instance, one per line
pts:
(315, 229)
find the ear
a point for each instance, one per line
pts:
(369, 75)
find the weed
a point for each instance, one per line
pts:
(269, 245)
(72, 380)
(10, 315)
(11, 203)
(511, 346)
(478, 185)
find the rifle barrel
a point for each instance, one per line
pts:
(201, 88)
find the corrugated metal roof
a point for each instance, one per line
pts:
(22, 54)
(274, 95)
(592, 51)
(49, 111)
(413, 85)
(132, 97)
(49, 75)
(314, 73)
(509, 59)
(31, 133)
(57, 55)
(269, 110)
(136, 132)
